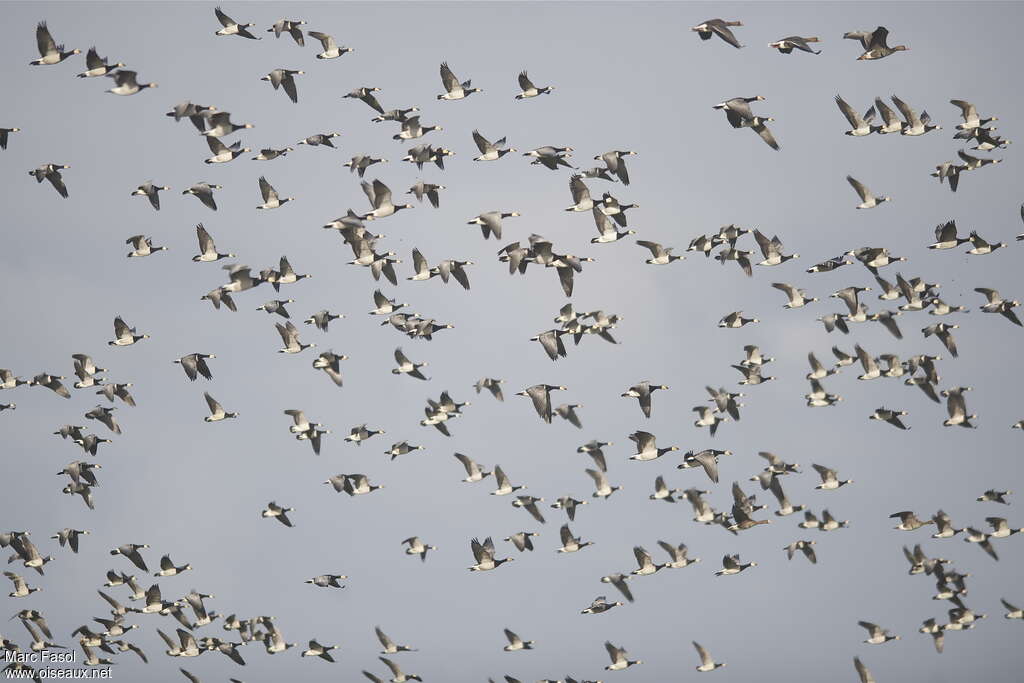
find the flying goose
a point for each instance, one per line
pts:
(521, 540)
(322, 319)
(980, 247)
(608, 232)
(876, 634)
(867, 200)
(284, 78)
(944, 525)
(936, 631)
(948, 169)
(270, 197)
(970, 115)
(217, 412)
(366, 95)
(720, 28)
(797, 297)
(908, 521)
(126, 83)
(203, 191)
(319, 139)
(49, 51)
(725, 402)
(290, 336)
(454, 89)
(223, 153)
(786, 45)
(874, 43)
(647, 446)
(417, 547)
(291, 27)
(194, 364)
(281, 513)
(142, 246)
(390, 648)
(21, 588)
(660, 256)
(620, 658)
(1014, 612)
(771, 249)
(601, 604)
(105, 416)
(707, 418)
(131, 551)
(327, 580)
(490, 222)
(642, 392)
(552, 343)
(502, 482)
(570, 543)
(4, 132)
(540, 394)
(804, 547)
(616, 164)
(428, 190)
(360, 433)
(412, 129)
(735, 320)
(731, 565)
(946, 237)
(601, 486)
(942, 331)
(890, 122)
(706, 662)
(167, 567)
(406, 366)
(1000, 529)
(915, 125)
(361, 162)
(474, 473)
(645, 565)
(996, 304)
(51, 172)
(269, 154)
(331, 50)
(232, 27)
(379, 195)
(490, 151)
(890, 416)
(516, 643)
(994, 496)
(593, 449)
(124, 335)
(483, 553)
(149, 190)
(569, 504)
(528, 88)
(221, 125)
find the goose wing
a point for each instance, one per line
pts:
(44, 41)
(481, 142)
(705, 658)
(382, 194)
(448, 78)
(215, 409)
(863, 191)
(267, 190)
(852, 116)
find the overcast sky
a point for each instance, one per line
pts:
(628, 76)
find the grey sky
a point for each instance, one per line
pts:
(628, 76)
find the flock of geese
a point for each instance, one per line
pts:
(717, 414)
